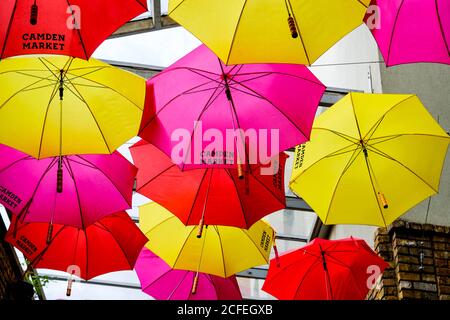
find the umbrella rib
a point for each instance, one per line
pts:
(171, 100)
(17, 92)
(240, 201)
(10, 165)
(181, 2)
(55, 90)
(81, 98)
(390, 137)
(385, 155)
(208, 104)
(221, 251)
(107, 87)
(95, 69)
(256, 245)
(8, 31)
(441, 26)
(78, 32)
(69, 168)
(356, 118)
(393, 31)
(184, 244)
(40, 256)
(47, 67)
(378, 123)
(142, 5)
(156, 176)
(196, 195)
(332, 154)
(289, 266)
(107, 176)
(117, 242)
(352, 159)
(235, 30)
(305, 276)
(276, 107)
(340, 134)
(186, 273)
(268, 73)
(283, 202)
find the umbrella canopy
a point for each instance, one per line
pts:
(325, 270)
(64, 27)
(221, 251)
(91, 187)
(413, 31)
(164, 283)
(370, 159)
(267, 31)
(209, 196)
(111, 244)
(59, 105)
(197, 105)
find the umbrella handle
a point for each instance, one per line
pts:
(200, 228)
(195, 284)
(34, 14)
(292, 27)
(382, 200)
(69, 284)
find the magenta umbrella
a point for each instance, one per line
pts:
(164, 283)
(413, 31)
(92, 186)
(194, 106)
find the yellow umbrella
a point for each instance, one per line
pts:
(296, 31)
(222, 251)
(57, 105)
(371, 157)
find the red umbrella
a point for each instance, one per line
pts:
(65, 27)
(325, 270)
(111, 244)
(208, 196)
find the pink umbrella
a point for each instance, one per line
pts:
(194, 106)
(163, 283)
(91, 187)
(413, 31)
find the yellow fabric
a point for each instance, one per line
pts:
(101, 108)
(406, 151)
(222, 251)
(242, 31)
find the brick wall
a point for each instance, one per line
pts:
(419, 262)
(10, 271)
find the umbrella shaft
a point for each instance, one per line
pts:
(59, 177)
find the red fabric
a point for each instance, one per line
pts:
(184, 192)
(301, 274)
(111, 244)
(98, 19)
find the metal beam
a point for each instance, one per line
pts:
(144, 25)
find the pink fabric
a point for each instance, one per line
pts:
(93, 187)
(414, 31)
(163, 283)
(267, 96)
